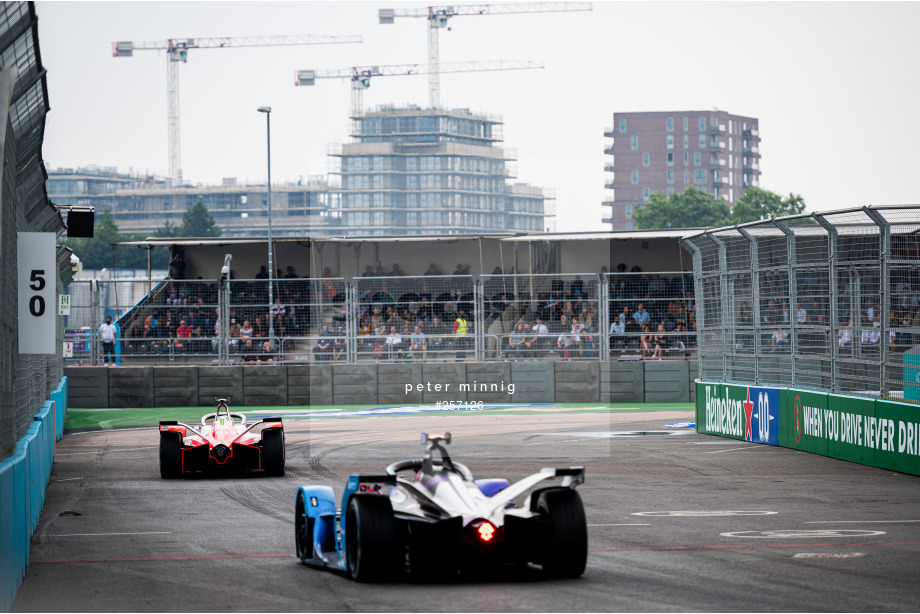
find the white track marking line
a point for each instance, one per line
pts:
(65, 479)
(750, 447)
(623, 524)
(107, 534)
(540, 443)
(854, 521)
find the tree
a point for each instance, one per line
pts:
(759, 204)
(96, 252)
(168, 229)
(197, 221)
(692, 208)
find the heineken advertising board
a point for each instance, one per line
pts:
(884, 434)
(747, 413)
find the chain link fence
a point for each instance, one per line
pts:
(427, 318)
(827, 301)
(26, 380)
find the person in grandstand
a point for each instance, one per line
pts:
(418, 346)
(393, 345)
(516, 341)
(462, 333)
(323, 348)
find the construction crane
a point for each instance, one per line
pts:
(360, 76)
(177, 51)
(439, 16)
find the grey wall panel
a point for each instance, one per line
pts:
(87, 386)
(220, 382)
(577, 382)
(175, 386)
(131, 387)
(667, 381)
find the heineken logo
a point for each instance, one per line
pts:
(746, 412)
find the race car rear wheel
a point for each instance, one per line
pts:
(273, 451)
(567, 554)
(369, 538)
(170, 454)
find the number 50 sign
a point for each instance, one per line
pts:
(37, 309)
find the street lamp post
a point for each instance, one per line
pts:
(271, 265)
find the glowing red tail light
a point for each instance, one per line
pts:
(486, 531)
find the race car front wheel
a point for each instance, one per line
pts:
(170, 454)
(369, 539)
(567, 554)
(273, 451)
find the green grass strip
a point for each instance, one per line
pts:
(90, 418)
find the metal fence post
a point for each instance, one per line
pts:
(884, 248)
(603, 316)
(723, 290)
(697, 296)
(755, 307)
(479, 317)
(793, 297)
(351, 324)
(834, 298)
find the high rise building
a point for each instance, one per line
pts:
(432, 171)
(670, 151)
(142, 204)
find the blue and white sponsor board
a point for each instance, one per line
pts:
(749, 413)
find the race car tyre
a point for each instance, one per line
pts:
(369, 538)
(302, 541)
(567, 554)
(170, 454)
(273, 451)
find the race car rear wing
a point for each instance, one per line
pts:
(571, 477)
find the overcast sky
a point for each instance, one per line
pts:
(834, 85)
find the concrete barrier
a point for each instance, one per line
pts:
(384, 383)
(391, 383)
(667, 381)
(264, 386)
(354, 384)
(221, 383)
(175, 387)
(24, 477)
(298, 382)
(89, 387)
(131, 387)
(874, 432)
(577, 382)
(534, 382)
(622, 382)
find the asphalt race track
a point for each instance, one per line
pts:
(677, 522)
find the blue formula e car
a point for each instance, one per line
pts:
(438, 521)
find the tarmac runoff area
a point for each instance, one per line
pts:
(677, 521)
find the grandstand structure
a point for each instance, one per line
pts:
(827, 301)
(349, 293)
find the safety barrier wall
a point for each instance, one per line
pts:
(23, 478)
(874, 432)
(383, 383)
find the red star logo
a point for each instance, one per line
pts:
(748, 411)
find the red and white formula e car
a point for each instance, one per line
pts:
(224, 441)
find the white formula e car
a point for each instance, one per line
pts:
(439, 520)
(224, 441)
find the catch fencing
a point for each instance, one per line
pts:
(827, 301)
(427, 318)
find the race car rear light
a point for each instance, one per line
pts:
(486, 531)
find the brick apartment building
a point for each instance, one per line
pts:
(670, 151)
